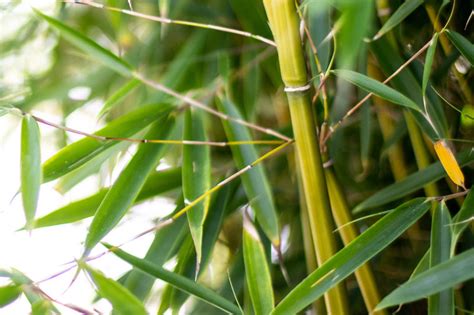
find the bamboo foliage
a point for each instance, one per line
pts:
(236, 139)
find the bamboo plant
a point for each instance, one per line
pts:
(254, 120)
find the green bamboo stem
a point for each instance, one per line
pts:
(284, 23)
(342, 216)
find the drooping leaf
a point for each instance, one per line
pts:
(129, 183)
(465, 47)
(196, 175)
(156, 183)
(30, 167)
(440, 277)
(79, 152)
(255, 180)
(376, 87)
(178, 281)
(121, 299)
(348, 259)
(440, 251)
(411, 183)
(398, 16)
(257, 271)
(9, 294)
(88, 46)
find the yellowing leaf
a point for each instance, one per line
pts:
(449, 162)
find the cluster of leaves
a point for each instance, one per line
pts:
(156, 83)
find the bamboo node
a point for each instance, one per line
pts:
(293, 89)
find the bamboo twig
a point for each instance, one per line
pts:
(165, 20)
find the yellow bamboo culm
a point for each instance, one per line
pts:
(450, 165)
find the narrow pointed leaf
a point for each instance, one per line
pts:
(376, 87)
(196, 175)
(76, 154)
(348, 259)
(121, 299)
(441, 303)
(255, 180)
(257, 271)
(157, 183)
(411, 183)
(89, 46)
(118, 96)
(9, 294)
(465, 47)
(180, 282)
(464, 217)
(429, 62)
(129, 183)
(30, 167)
(398, 16)
(166, 243)
(441, 277)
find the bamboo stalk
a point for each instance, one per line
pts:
(284, 23)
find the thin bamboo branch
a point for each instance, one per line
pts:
(180, 142)
(165, 20)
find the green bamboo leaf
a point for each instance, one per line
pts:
(118, 96)
(407, 83)
(30, 167)
(166, 243)
(255, 180)
(463, 218)
(177, 281)
(441, 277)
(377, 88)
(429, 63)
(121, 299)
(9, 294)
(398, 16)
(196, 175)
(157, 183)
(39, 305)
(129, 183)
(93, 166)
(89, 46)
(257, 271)
(411, 183)
(76, 154)
(465, 47)
(441, 303)
(348, 259)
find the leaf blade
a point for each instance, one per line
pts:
(196, 176)
(88, 46)
(177, 281)
(398, 16)
(376, 87)
(465, 47)
(30, 167)
(122, 300)
(129, 183)
(434, 280)
(257, 272)
(341, 265)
